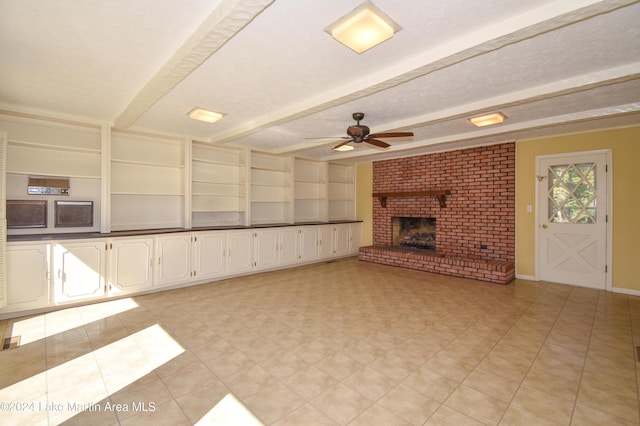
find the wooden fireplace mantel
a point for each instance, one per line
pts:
(439, 194)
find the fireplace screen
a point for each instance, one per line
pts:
(414, 232)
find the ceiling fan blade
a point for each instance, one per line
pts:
(378, 143)
(331, 137)
(391, 135)
(340, 144)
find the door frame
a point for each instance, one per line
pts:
(609, 208)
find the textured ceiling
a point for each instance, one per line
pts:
(551, 66)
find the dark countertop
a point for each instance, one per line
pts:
(143, 232)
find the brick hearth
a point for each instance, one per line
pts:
(476, 228)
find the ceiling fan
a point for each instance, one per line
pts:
(360, 133)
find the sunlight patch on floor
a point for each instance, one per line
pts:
(82, 383)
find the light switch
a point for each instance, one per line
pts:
(529, 208)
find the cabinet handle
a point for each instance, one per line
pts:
(159, 260)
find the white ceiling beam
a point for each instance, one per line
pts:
(563, 87)
(228, 18)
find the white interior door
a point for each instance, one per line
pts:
(572, 219)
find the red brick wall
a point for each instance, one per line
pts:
(480, 211)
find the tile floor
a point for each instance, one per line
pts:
(344, 342)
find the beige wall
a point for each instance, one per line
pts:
(625, 147)
(364, 200)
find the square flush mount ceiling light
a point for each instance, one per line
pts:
(365, 27)
(488, 120)
(205, 115)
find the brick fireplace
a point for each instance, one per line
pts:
(474, 222)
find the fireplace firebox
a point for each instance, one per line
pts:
(414, 232)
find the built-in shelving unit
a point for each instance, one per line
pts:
(218, 185)
(53, 148)
(341, 192)
(270, 191)
(147, 181)
(310, 191)
(137, 180)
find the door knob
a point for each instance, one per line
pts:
(544, 226)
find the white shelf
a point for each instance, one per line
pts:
(261, 161)
(206, 153)
(40, 146)
(147, 164)
(146, 211)
(341, 190)
(207, 203)
(55, 147)
(270, 190)
(127, 178)
(147, 181)
(146, 149)
(218, 189)
(48, 160)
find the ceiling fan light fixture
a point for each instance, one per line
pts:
(343, 148)
(202, 114)
(488, 120)
(363, 28)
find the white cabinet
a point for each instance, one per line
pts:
(173, 254)
(79, 270)
(266, 245)
(239, 251)
(289, 245)
(355, 232)
(55, 272)
(308, 243)
(326, 241)
(342, 237)
(130, 265)
(27, 277)
(184, 257)
(209, 254)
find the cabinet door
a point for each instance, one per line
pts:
(79, 270)
(208, 254)
(266, 248)
(308, 243)
(289, 242)
(173, 259)
(27, 276)
(130, 263)
(327, 241)
(343, 239)
(239, 251)
(356, 238)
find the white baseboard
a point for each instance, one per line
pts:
(526, 277)
(628, 291)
